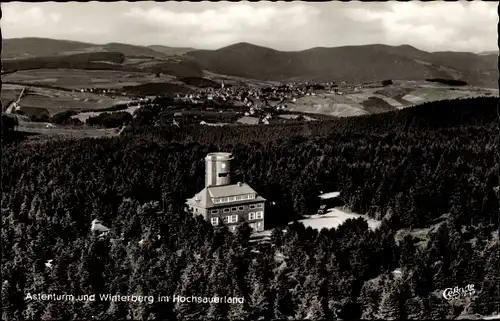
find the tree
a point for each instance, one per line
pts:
(389, 308)
(416, 309)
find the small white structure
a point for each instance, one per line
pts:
(49, 264)
(397, 273)
(98, 227)
(329, 195)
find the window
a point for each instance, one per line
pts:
(241, 208)
(227, 210)
(251, 196)
(259, 226)
(244, 197)
(232, 199)
(215, 221)
(252, 206)
(238, 198)
(259, 205)
(214, 211)
(259, 215)
(251, 216)
(234, 209)
(225, 219)
(223, 174)
(233, 219)
(216, 200)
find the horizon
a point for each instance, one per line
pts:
(248, 43)
(292, 26)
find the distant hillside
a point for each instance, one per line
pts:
(352, 64)
(39, 47)
(96, 60)
(43, 47)
(491, 52)
(171, 50)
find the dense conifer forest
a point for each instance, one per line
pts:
(432, 166)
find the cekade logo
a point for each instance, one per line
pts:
(456, 292)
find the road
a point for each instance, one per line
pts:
(13, 104)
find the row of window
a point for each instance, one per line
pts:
(236, 209)
(233, 198)
(234, 218)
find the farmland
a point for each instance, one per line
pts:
(58, 100)
(401, 94)
(46, 131)
(79, 78)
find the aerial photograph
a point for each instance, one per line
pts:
(250, 161)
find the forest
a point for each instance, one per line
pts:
(434, 165)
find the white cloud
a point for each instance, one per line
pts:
(34, 17)
(236, 22)
(461, 26)
(464, 26)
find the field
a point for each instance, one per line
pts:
(55, 100)
(44, 131)
(400, 95)
(9, 94)
(78, 78)
(235, 81)
(86, 115)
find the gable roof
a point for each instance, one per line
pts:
(230, 190)
(203, 199)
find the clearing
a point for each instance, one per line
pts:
(334, 218)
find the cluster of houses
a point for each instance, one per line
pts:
(258, 103)
(276, 96)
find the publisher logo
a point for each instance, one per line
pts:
(457, 292)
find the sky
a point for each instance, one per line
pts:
(288, 26)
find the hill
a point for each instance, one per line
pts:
(171, 50)
(43, 47)
(95, 60)
(491, 52)
(39, 47)
(350, 63)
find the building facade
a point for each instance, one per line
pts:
(223, 202)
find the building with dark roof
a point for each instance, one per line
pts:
(221, 201)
